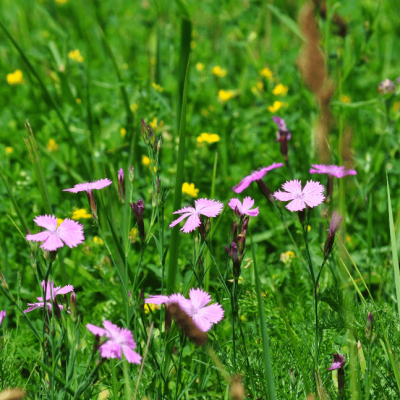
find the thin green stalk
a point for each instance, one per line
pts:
(174, 241)
(128, 390)
(114, 379)
(264, 332)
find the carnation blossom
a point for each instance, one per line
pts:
(69, 232)
(245, 208)
(254, 176)
(120, 340)
(311, 195)
(80, 187)
(333, 170)
(195, 307)
(51, 293)
(283, 131)
(338, 362)
(2, 316)
(209, 208)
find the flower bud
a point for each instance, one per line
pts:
(369, 326)
(131, 174)
(121, 185)
(138, 210)
(265, 190)
(333, 228)
(92, 204)
(74, 306)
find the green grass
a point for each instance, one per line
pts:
(83, 120)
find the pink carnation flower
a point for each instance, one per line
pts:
(209, 208)
(338, 362)
(80, 187)
(120, 340)
(245, 208)
(2, 316)
(69, 232)
(333, 170)
(311, 195)
(51, 293)
(254, 176)
(196, 307)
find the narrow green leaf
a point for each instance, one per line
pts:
(264, 333)
(394, 248)
(173, 255)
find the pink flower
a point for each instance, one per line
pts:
(2, 316)
(254, 176)
(209, 208)
(69, 232)
(51, 293)
(120, 340)
(80, 187)
(203, 316)
(338, 362)
(333, 170)
(245, 208)
(311, 195)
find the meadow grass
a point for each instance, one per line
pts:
(181, 97)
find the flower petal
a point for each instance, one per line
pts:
(71, 232)
(199, 298)
(213, 313)
(63, 290)
(131, 355)
(96, 330)
(38, 237)
(110, 349)
(46, 221)
(191, 224)
(282, 196)
(52, 243)
(202, 322)
(181, 218)
(296, 205)
(233, 203)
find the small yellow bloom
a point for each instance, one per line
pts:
(396, 106)
(225, 95)
(15, 78)
(59, 220)
(204, 112)
(78, 101)
(134, 107)
(9, 150)
(208, 138)
(61, 2)
(254, 89)
(75, 55)
(345, 99)
(133, 235)
(266, 73)
(152, 307)
(280, 90)
(276, 106)
(348, 238)
(157, 87)
(123, 132)
(193, 44)
(286, 257)
(218, 71)
(104, 395)
(145, 160)
(260, 86)
(52, 145)
(97, 240)
(308, 228)
(153, 124)
(189, 189)
(243, 318)
(80, 214)
(199, 66)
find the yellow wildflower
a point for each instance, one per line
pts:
(286, 257)
(243, 318)
(134, 107)
(396, 106)
(308, 228)
(75, 55)
(189, 189)
(276, 106)
(145, 160)
(15, 78)
(218, 71)
(345, 99)
(199, 66)
(78, 101)
(154, 124)
(254, 89)
(204, 112)
(133, 235)
(260, 86)
(225, 95)
(61, 2)
(59, 220)
(123, 132)
(97, 240)
(152, 307)
(9, 150)
(266, 73)
(52, 145)
(280, 90)
(80, 214)
(207, 137)
(348, 238)
(157, 87)
(193, 44)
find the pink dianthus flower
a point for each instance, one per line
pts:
(120, 340)
(80, 187)
(334, 170)
(311, 195)
(245, 208)
(69, 232)
(2, 316)
(209, 208)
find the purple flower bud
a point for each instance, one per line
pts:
(144, 131)
(265, 190)
(233, 232)
(369, 326)
(131, 174)
(138, 210)
(333, 228)
(235, 259)
(338, 363)
(282, 135)
(121, 185)
(241, 238)
(2, 316)
(74, 306)
(92, 204)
